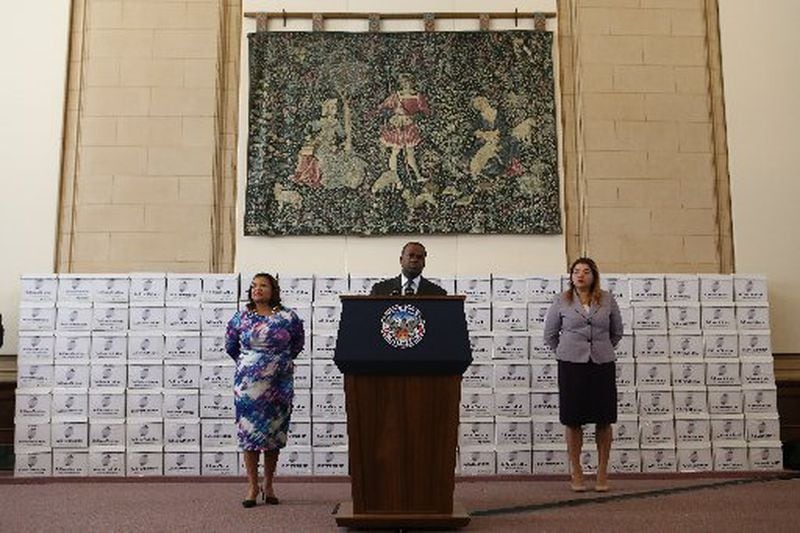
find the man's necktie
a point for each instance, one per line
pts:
(409, 288)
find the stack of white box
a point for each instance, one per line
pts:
(127, 375)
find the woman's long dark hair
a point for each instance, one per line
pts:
(594, 289)
(274, 300)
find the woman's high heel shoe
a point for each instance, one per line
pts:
(247, 504)
(270, 500)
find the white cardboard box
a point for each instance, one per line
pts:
(324, 345)
(325, 375)
(68, 434)
(716, 288)
(723, 372)
(325, 317)
(727, 428)
(514, 460)
(477, 461)
(75, 288)
(34, 375)
(107, 403)
(182, 435)
(145, 463)
(721, 345)
(145, 346)
(476, 432)
(655, 403)
(37, 316)
(550, 461)
(110, 317)
(762, 428)
(302, 375)
(618, 285)
(478, 290)
(683, 317)
(72, 348)
(182, 317)
(765, 456)
(32, 405)
(330, 461)
(730, 457)
(544, 404)
(70, 463)
(214, 317)
(626, 432)
(107, 463)
(111, 288)
(296, 461)
(513, 431)
(107, 432)
(512, 402)
(760, 401)
(31, 436)
(718, 316)
(107, 375)
(147, 317)
(38, 288)
(510, 317)
(33, 464)
(627, 403)
(217, 376)
(752, 316)
(659, 460)
(477, 403)
(625, 461)
(328, 405)
(691, 403)
(219, 404)
(686, 345)
(692, 431)
(544, 376)
(688, 373)
(362, 285)
(74, 316)
(537, 313)
(37, 347)
(625, 373)
(181, 464)
(758, 372)
(218, 435)
(147, 288)
(329, 434)
(646, 288)
(478, 316)
(109, 347)
(328, 288)
(212, 347)
(481, 345)
(182, 376)
(293, 288)
(724, 400)
(144, 403)
(651, 346)
(145, 376)
(682, 287)
(649, 316)
(478, 375)
(220, 288)
(624, 349)
(695, 458)
(653, 375)
(755, 344)
(511, 346)
(70, 376)
(184, 288)
(181, 404)
(657, 432)
(510, 375)
(509, 289)
(543, 288)
(145, 433)
(299, 434)
(547, 432)
(69, 404)
(301, 405)
(749, 288)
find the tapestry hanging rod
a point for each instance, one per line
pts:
(375, 18)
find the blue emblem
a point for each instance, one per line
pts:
(402, 326)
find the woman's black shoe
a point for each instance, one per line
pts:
(248, 503)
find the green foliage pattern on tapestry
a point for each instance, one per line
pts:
(385, 133)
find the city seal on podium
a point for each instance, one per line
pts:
(402, 326)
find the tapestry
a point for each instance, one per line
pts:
(386, 133)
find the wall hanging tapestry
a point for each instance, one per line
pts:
(383, 133)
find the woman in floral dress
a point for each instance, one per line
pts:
(263, 339)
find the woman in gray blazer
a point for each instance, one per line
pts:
(583, 325)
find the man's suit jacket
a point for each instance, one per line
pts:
(577, 335)
(391, 286)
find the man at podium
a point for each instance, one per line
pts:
(410, 281)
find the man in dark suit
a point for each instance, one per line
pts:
(410, 280)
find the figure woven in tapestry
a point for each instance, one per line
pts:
(385, 133)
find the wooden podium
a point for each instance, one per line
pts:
(403, 390)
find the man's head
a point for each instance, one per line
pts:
(412, 259)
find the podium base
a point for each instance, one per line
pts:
(346, 518)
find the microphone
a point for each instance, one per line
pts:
(395, 292)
